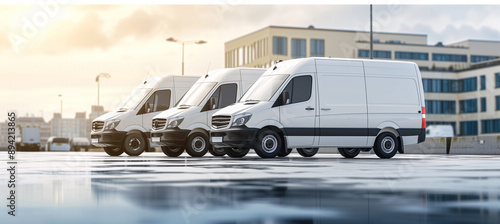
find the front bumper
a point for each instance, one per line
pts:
(107, 138)
(173, 137)
(233, 137)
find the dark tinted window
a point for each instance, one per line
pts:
(299, 90)
(224, 96)
(159, 101)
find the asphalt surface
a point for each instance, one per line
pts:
(92, 187)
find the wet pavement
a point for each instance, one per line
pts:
(91, 187)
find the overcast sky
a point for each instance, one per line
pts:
(46, 51)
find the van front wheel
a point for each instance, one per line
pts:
(197, 144)
(268, 144)
(113, 151)
(134, 144)
(386, 145)
(349, 152)
(307, 152)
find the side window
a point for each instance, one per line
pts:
(298, 90)
(224, 96)
(159, 101)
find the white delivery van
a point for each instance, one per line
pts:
(127, 128)
(311, 103)
(439, 131)
(186, 126)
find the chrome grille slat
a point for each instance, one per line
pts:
(220, 121)
(97, 125)
(159, 123)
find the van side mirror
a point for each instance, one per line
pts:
(212, 103)
(285, 98)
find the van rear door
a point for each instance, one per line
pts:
(342, 103)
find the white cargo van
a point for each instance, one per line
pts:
(127, 128)
(322, 102)
(186, 126)
(439, 131)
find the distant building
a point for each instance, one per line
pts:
(38, 122)
(69, 127)
(461, 80)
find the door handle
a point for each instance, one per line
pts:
(325, 109)
(309, 108)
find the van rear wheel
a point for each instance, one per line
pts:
(217, 151)
(237, 152)
(268, 144)
(307, 152)
(172, 152)
(134, 144)
(386, 145)
(349, 152)
(113, 151)
(284, 152)
(198, 144)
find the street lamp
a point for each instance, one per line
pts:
(60, 97)
(104, 75)
(60, 122)
(171, 39)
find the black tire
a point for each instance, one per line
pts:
(197, 144)
(307, 152)
(172, 152)
(349, 152)
(268, 144)
(217, 151)
(284, 152)
(236, 152)
(113, 151)
(134, 144)
(386, 145)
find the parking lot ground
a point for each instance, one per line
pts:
(92, 187)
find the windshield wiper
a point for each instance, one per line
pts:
(251, 100)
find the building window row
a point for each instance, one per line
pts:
(298, 47)
(412, 55)
(468, 106)
(483, 104)
(317, 48)
(468, 127)
(497, 80)
(376, 54)
(490, 126)
(480, 58)
(279, 45)
(449, 57)
(450, 85)
(440, 107)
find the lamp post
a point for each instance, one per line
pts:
(60, 121)
(104, 75)
(171, 39)
(60, 97)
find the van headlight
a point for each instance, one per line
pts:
(111, 124)
(241, 119)
(174, 122)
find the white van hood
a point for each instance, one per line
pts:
(239, 108)
(172, 112)
(111, 115)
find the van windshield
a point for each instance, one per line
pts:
(264, 88)
(196, 94)
(133, 100)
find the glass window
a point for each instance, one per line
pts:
(468, 106)
(483, 82)
(440, 107)
(299, 89)
(224, 96)
(298, 48)
(449, 57)
(158, 101)
(480, 58)
(363, 53)
(376, 54)
(490, 126)
(134, 99)
(468, 128)
(412, 55)
(483, 104)
(497, 100)
(497, 80)
(317, 48)
(279, 45)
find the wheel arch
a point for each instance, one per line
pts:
(279, 131)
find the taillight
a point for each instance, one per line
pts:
(423, 117)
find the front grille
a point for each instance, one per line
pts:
(159, 123)
(97, 125)
(220, 121)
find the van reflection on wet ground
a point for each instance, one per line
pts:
(95, 188)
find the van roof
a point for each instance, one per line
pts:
(165, 81)
(303, 65)
(227, 74)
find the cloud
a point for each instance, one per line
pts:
(139, 24)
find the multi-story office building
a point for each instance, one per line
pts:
(461, 80)
(68, 127)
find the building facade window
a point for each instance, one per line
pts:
(317, 48)
(497, 80)
(376, 54)
(480, 58)
(279, 45)
(483, 104)
(468, 106)
(490, 126)
(298, 48)
(468, 128)
(449, 57)
(450, 85)
(411, 55)
(497, 101)
(440, 107)
(483, 82)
